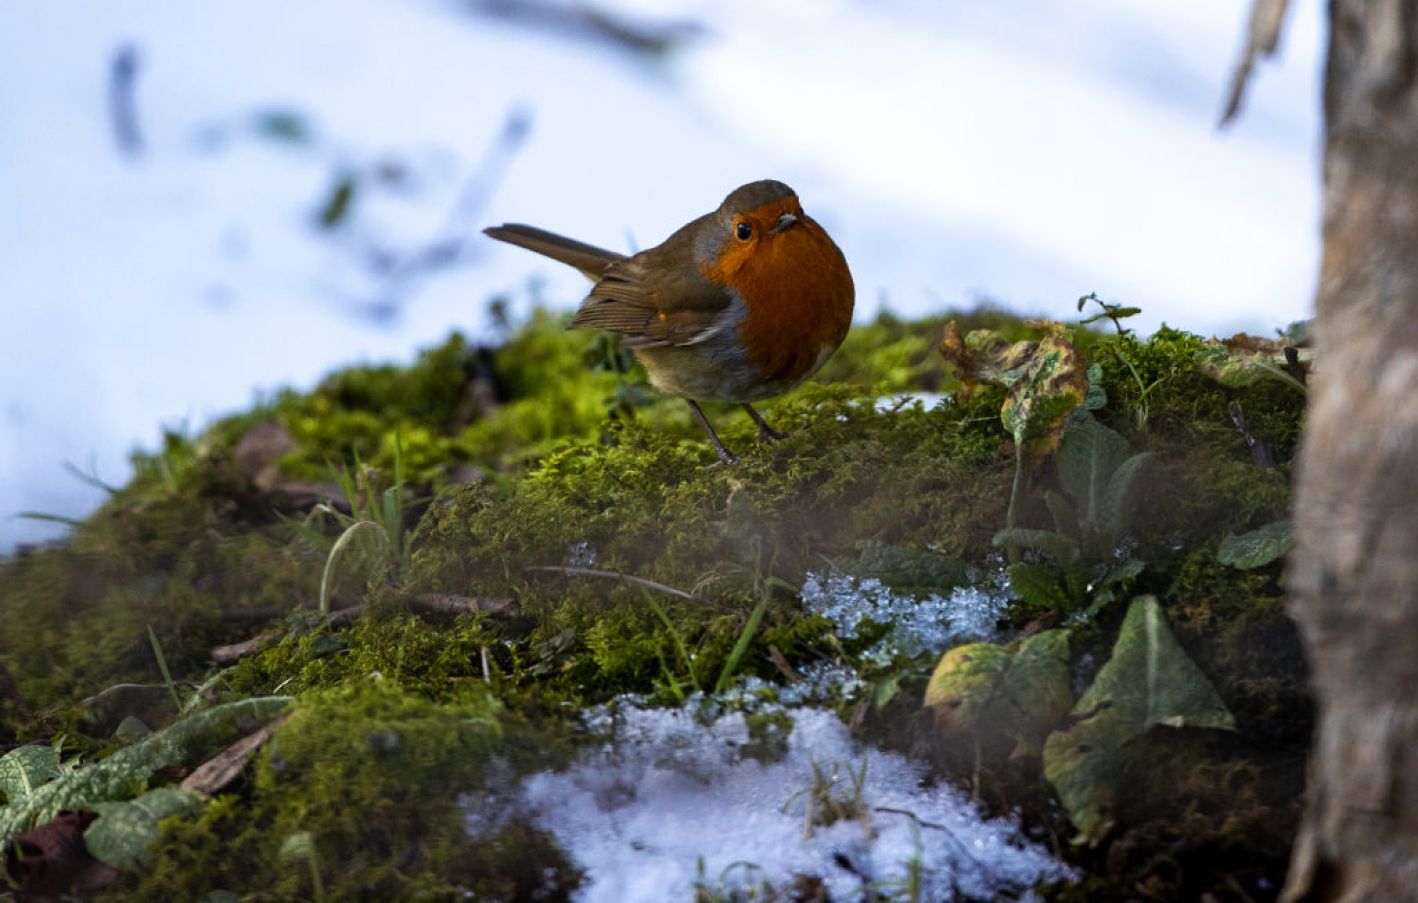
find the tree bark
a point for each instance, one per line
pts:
(1354, 572)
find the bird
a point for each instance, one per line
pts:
(737, 305)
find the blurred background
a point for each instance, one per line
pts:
(200, 203)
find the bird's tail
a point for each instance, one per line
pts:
(589, 259)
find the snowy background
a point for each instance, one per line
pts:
(1027, 152)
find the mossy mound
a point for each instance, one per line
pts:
(544, 476)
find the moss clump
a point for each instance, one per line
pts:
(376, 775)
(547, 454)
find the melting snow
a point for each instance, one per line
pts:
(917, 625)
(671, 800)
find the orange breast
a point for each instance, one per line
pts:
(799, 294)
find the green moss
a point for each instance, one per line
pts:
(583, 466)
(377, 776)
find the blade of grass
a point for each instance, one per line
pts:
(674, 635)
(49, 518)
(162, 666)
(340, 545)
(740, 647)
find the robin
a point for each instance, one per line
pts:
(739, 305)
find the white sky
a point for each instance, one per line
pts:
(1030, 151)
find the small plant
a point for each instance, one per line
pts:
(1090, 524)
(729, 889)
(826, 805)
(1113, 312)
(374, 527)
(298, 847)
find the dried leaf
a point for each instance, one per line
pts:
(1244, 360)
(51, 860)
(1046, 378)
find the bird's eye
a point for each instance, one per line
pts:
(744, 231)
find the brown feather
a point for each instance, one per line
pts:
(589, 259)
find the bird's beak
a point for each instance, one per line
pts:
(784, 222)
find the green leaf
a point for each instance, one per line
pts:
(1245, 366)
(126, 772)
(125, 834)
(1038, 585)
(1258, 547)
(1088, 456)
(1062, 510)
(1127, 569)
(1149, 682)
(26, 768)
(1018, 693)
(297, 847)
(963, 685)
(1037, 687)
(1119, 493)
(1097, 397)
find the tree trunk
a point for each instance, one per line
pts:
(1354, 572)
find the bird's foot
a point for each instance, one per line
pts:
(766, 433)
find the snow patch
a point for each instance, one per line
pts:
(671, 800)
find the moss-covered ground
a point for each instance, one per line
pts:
(525, 462)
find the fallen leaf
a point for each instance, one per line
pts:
(1150, 681)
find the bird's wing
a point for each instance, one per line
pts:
(657, 298)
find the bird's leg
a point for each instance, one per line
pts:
(725, 455)
(766, 433)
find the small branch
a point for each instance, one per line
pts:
(785, 667)
(122, 102)
(451, 604)
(1267, 21)
(614, 575)
(935, 826)
(226, 766)
(433, 603)
(225, 655)
(118, 688)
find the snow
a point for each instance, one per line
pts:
(915, 626)
(1030, 152)
(669, 799)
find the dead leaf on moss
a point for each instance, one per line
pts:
(1047, 380)
(51, 860)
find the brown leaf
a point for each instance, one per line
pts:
(51, 859)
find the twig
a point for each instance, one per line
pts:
(937, 826)
(122, 104)
(434, 603)
(614, 575)
(223, 768)
(225, 655)
(451, 604)
(1267, 21)
(117, 688)
(780, 661)
(450, 243)
(587, 21)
